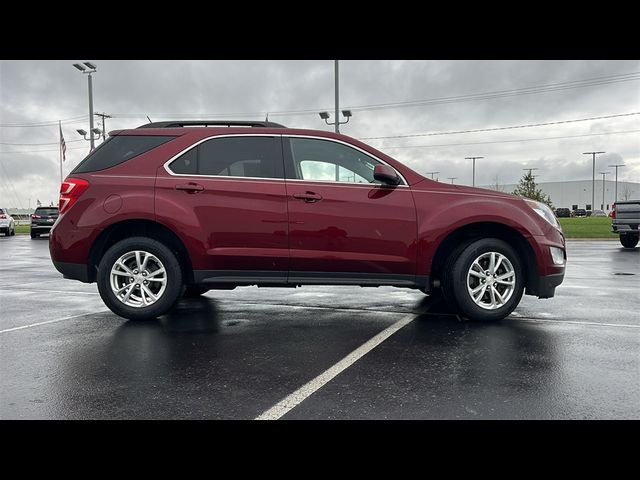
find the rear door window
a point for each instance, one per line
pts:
(241, 156)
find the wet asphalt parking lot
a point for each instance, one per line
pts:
(320, 352)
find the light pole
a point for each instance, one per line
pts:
(452, 179)
(346, 113)
(474, 167)
(89, 68)
(615, 199)
(95, 131)
(431, 173)
(593, 178)
(603, 175)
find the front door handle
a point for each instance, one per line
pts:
(190, 187)
(309, 197)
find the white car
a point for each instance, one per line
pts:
(7, 225)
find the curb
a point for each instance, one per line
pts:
(596, 239)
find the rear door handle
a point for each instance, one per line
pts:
(309, 197)
(190, 187)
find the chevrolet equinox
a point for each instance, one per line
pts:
(179, 208)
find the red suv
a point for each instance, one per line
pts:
(179, 208)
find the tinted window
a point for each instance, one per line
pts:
(233, 156)
(187, 163)
(1, 211)
(119, 149)
(47, 211)
(330, 161)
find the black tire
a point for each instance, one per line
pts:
(174, 276)
(454, 281)
(34, 235)
(13, 232)
(629, 241)
(194, 291)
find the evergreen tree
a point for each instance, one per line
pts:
(527, 188)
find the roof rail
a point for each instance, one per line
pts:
(206, 123)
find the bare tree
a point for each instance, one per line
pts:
(626, 193)
(496, 185)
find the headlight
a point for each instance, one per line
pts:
(544, 211)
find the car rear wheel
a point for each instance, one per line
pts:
(140, 278)
(484, 280)
(629, 241)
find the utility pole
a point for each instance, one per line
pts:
(474, 167)
(432, 173)
(530, 169)
(104, 115)
(593, 178)
(337, 94)
(615, 199)
(452, 179)
(603, 175)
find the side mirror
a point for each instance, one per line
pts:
(386, 175)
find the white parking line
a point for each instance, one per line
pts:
(39, 290)
(573, 322)
(51, 321)
(297, 397)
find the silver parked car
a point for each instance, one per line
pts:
(598, 213)
(7, 225)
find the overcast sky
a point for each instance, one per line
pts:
(530, 92)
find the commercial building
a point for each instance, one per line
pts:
(577, 193)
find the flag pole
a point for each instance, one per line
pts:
(60, 148)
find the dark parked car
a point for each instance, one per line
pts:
(163, 210)
(579, 212)
(42, 220)
(563, 212)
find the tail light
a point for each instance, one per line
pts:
(33, 215)
(70, 191)
(613, 211)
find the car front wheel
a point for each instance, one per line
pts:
(140, 278)
(484, 280)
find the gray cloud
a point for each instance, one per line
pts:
(50, 90)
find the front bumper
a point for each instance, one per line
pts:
(544, 286)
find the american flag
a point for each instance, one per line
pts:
(63, 146)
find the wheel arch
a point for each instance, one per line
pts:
(138, 227)
(479, 230)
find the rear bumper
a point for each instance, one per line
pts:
(73, 271)
(41, 228)
(625, 226)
